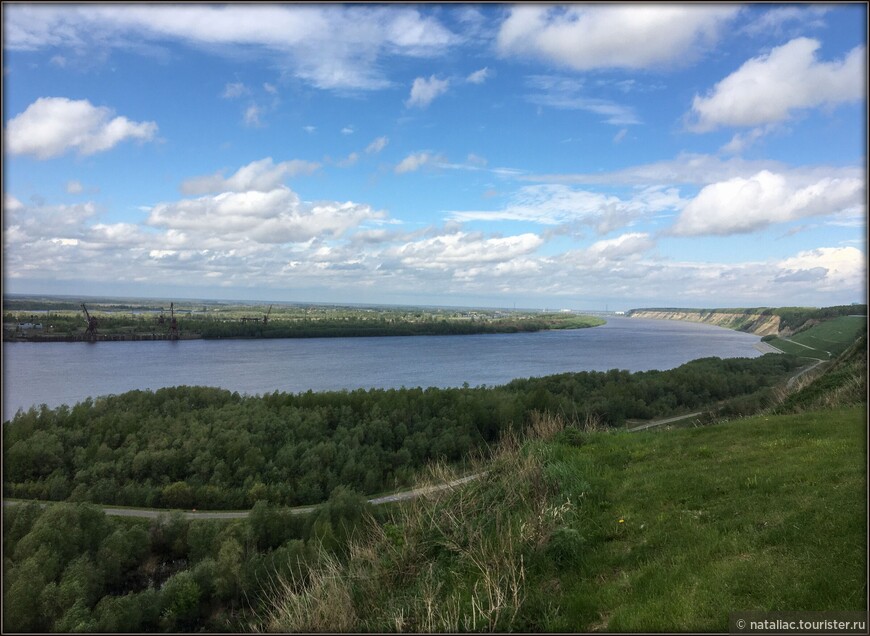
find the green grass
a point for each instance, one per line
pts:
(830, 337)
(583, 531)
(766, 513)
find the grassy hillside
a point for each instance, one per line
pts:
(824, 341)
(580, 531)
(843, 383)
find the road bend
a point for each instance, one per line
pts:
(153, 513)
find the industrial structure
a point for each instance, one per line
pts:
(91, 332)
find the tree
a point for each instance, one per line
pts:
(180, 601)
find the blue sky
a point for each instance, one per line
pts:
(571, 156)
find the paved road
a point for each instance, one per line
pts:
(793, 378)
(152, 513)
(664, 421)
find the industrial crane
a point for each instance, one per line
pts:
(91, 332)
(173, 323)
(266, 317)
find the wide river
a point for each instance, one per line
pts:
(68, 372)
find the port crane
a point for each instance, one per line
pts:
(91, 332)
(173, 323)
(266, 317)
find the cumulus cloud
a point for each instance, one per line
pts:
(74, 187)
(459, 248)
(624, 246)
(768, 88)
(608, 36)
(377, 145)
(826, 269)
(262, 175)
(52, 126)
(747, 204)
(424, 91)
(329, 47)
(274, 216)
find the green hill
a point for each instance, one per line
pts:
(576, 531)
(824, 341)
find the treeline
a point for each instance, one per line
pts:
(201, 447)
(320, 327)
(71, 568)
(796, 318)
(353, 327)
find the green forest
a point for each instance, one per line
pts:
(69, 567)
(208, 448)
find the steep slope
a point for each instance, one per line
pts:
(761, 325)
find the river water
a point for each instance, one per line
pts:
(68, 372)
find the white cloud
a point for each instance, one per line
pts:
(618, 137)
(741, 141)
(309, 129)
(475, 160)
(697, 169)
(329, 47)
(423, 91)
(235, 89)
(568, 94)
(74, 187)
(612, 36)
(414, 162)
(252, 116)
(460, 248)
(274, 216)
(377, 145)
(630, 245)
(262, 175)
(747, 204)
(349, 161)
(478, 77)
(776, 20)
(51, 126)
(347, 130)
(270, 88)
(828, 269)
(768, 88)
(555, 204)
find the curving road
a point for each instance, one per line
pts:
(153, 513)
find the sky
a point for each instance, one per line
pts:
(495, 155)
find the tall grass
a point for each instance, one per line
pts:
(451, 560)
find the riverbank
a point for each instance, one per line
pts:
(760, 325)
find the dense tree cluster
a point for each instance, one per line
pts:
(345, 327)
(799, 318)
(202, 447)
(70, 568)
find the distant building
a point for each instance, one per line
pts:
(29, 325)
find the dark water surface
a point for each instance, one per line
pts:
(68, 372)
